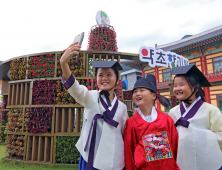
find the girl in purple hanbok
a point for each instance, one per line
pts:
(101, 143)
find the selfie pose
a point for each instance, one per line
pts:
(150, 137)
(199, 124)
(101, 144)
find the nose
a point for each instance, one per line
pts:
(138, 93)
(176, 88)
(104, 77)
(134, 93)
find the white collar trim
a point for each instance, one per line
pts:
(149, 118)
(113, 102)
(188, 109)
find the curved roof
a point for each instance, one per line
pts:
(186, 36)
(192, 39)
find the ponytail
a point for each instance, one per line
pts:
(200, 93)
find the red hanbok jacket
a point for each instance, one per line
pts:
(150, 146)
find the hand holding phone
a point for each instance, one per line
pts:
(79, 39)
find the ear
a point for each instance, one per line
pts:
(153, 96)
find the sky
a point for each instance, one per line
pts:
(28, 27)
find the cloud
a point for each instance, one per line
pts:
(138, 41)
(40, 26)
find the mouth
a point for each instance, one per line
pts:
(179, 93)
(104, 83)
(139, 99)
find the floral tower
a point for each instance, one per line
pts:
(102, 37)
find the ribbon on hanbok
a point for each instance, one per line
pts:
(183, 121)
(107, 116)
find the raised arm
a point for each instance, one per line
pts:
(68, 54)
(78, 92)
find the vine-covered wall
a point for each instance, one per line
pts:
(3, 119)
(42, 122)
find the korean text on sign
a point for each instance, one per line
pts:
(158, 57)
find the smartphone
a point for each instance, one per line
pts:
(79, 39)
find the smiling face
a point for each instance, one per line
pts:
(106, 78)
(181, 88)
(143, 97)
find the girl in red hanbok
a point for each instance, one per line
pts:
(150, 136)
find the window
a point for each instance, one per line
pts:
(138, 77)
(217, 64)
(163, 90)
(218, 83)
(167, 70)
(166, 74)
(217, 59)
(124, 77)
(219, 99)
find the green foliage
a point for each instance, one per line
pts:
(130, 113)
(41, 66)
(15, 147)
(66, 152)
(102, 38)
(75, 64)
(4, 121)
(14, 165)
(2, 130)
(3, 136)
(18, 69)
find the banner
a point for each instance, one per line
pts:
(158, 57)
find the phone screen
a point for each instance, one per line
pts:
(79, 38)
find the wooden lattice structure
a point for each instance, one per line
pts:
(66, 117)
(127, 100)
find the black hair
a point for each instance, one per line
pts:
(155, 98)
(115, 71)
(193, 82)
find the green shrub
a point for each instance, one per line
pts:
(66, 152)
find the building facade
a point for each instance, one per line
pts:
(130, 76)
(205, 51)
